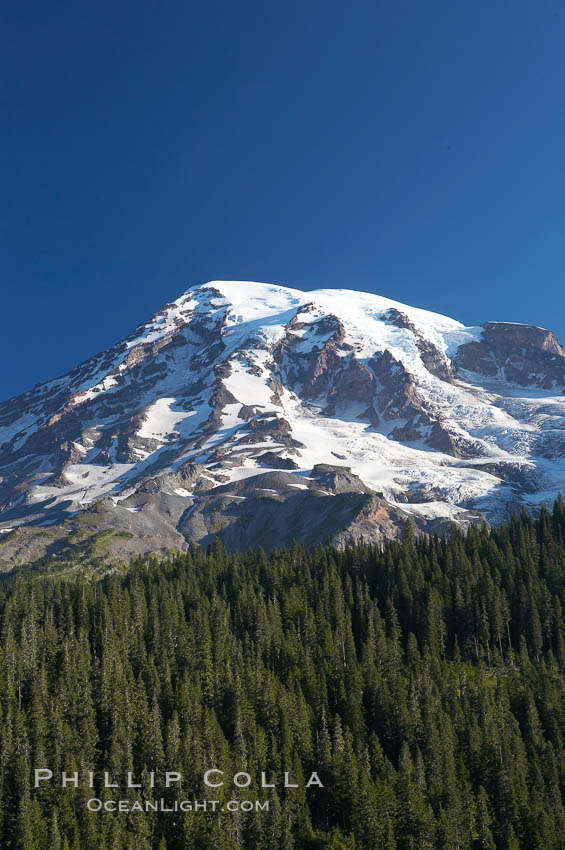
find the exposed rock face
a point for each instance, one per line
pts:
(275, 461)
(521, 354)
(433, 359)
(399, 396)
(336, 479)
(264, 414)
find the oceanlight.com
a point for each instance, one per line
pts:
(167, 806)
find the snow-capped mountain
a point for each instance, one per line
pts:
(263, 414)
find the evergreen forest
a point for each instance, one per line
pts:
(423, 682)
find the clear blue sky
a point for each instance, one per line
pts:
(415, 149)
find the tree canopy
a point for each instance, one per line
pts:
(423, 682)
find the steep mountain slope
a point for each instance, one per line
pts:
(265, 414)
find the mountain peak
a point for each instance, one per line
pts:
(221, 411)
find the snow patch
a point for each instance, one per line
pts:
(161, 419)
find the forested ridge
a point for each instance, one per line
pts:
(423, 682)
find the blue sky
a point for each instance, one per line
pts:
(414, 149)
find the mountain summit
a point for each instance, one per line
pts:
(264, 414)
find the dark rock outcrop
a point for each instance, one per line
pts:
(520, 354)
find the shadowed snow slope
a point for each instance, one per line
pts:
(266, 414)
